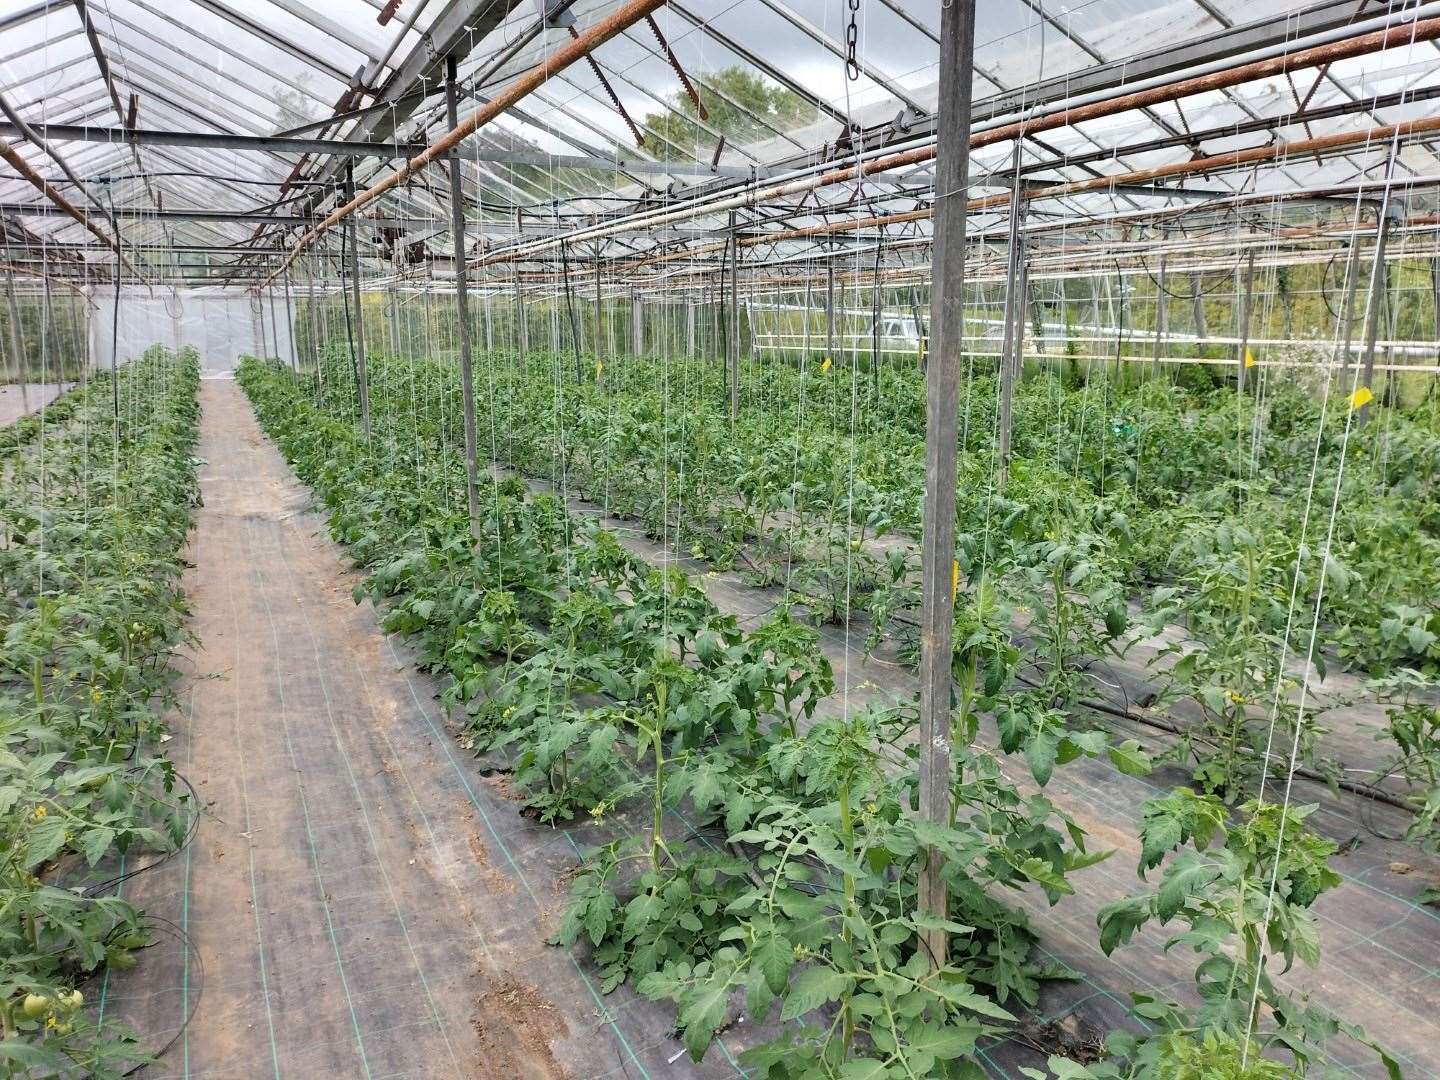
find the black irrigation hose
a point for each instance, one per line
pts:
(92, 891)
(1369, 790)
(187, 942)
(1222, 279)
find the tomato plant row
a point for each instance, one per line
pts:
(613, 687)
(94, 512)
(1194, 522)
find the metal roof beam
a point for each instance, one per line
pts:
(171, 214)
(223, 141)
(452, 34)
(94, 133)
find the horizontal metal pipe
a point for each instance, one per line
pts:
(17, 162)
(171, 214)
(212, 140)
(557, 61)
(1190, 167)
(1329, 53)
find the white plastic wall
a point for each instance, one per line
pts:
(223, 325)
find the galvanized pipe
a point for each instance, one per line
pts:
(462, 311)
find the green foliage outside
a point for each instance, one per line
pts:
(740, 105)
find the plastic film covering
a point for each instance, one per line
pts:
(223, 324)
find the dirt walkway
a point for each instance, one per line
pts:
(17, 401)
(361, 903)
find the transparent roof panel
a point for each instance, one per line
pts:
(772, 77)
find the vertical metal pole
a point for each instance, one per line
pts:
(830, 302)
(875, 322)
(1242, 317)
(1435, 300)
(1378, 282)
(290, 322)
(1347, 305)
(1201, 331)
(462, 306)
(394, 298)
(362, 379)
(599, 350)
(920, 334)
(637, 326)
(316, 344)
(805, 339)
(1009, 346)
(733, 350)
(522, 320)
(570, 309)
(690, 328)
(115, 359)
(16, 345)
(942, 396)
(1162, 316)
(1037, 316)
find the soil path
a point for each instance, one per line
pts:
(359, 902)
(17, 401)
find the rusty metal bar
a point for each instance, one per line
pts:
(20, 165)
(552, 64)
(679, 71)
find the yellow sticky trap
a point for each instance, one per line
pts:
(599, 368)
(1249, 359)
(824, 367)
(954, 579)
(1360, 397)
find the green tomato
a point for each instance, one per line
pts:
(35, 1006)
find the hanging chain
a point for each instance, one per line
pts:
(852, 42)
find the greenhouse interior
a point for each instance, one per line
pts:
(785, 539)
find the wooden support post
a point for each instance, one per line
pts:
(937, 558)
(733, 338)
(362, 379)
(462, 308)
(1243, 289)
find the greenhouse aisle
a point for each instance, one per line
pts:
(17, 401)
(359, 901)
